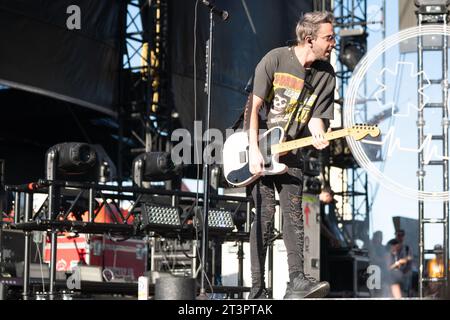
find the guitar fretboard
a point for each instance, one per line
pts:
(303, 142)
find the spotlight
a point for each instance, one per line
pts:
(353, 46)
(72, 161)
(218, 220)
(154, 166)
(155, 216)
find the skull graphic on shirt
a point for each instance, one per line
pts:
(279, 104)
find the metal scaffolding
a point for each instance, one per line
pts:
(349, 15)
(439, 17)
(145, 111)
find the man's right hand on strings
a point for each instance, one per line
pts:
(256, 160)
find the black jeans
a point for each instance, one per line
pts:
(290, 188)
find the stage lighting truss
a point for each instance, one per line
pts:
(160, 216)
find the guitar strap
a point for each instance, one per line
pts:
(245, 114)
(307, 88)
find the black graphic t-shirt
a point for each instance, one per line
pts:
(279, 81)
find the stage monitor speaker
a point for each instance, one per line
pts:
(348, 275)
(12, 250)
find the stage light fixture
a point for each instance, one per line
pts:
(154, 166)
(432, 7)
(353, 47)
(81, 162)
(72, 161)
(154, 216)
(218, 220)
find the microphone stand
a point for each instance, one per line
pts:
(206, 168)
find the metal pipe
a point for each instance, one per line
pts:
(420, 171)
(240, 255)
(26, 262)
(17, 207)
(91, 205)
(206, 168)
(53, 243)
(445, 125)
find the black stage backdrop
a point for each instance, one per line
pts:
(253, 28)
(38, 53)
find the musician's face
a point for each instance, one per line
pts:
(324, 42)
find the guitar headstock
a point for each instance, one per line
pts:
(360, 131)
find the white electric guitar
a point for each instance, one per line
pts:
(236, 159)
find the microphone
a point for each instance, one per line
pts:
(221, 13)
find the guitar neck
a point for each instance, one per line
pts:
(303, 142)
